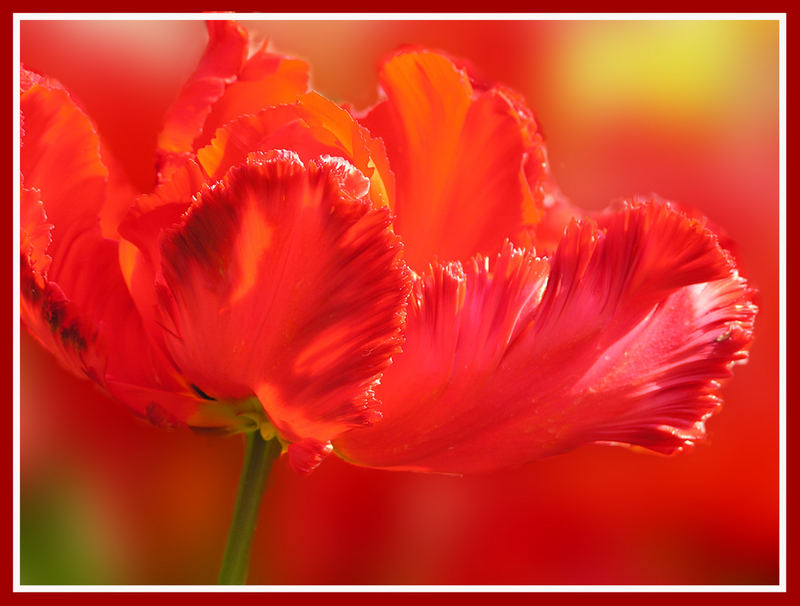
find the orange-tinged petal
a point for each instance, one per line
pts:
(221, 62)
(311, 127)
(282, 282)
(623, 340)
(470, 164)
(266, 79)
(226, 84)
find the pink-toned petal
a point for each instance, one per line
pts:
(306, 455)
(460, 324)
(282, 282)
(470, 163)
(624, 340)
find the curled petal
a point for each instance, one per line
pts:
(282, 282)
(63, 250)
(624, 339)
(225, 85)
(470, 163)
(266, 79)
(74, 298)
(311, 127)
(60, 158)
(222, 60)
(64, 158)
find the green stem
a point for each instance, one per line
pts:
(258, 457)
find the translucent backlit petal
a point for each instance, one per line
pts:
(225, 85)
(221, 62)
(266, 79)
(470, 163)
(282, 282)
(624, 340)
(311, 127)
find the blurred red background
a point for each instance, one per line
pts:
(688, 110)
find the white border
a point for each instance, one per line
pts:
(782, 295)
(780, 17)
(404, 588)
(400, 16)
(15, 322)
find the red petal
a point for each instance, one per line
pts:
(141, 230)
(470, 164)
(49, 316)
(311, 127)
(60, 157)
(627, 344)
(74, 298)
(282, 283)
(222, 60)
(63, 157)
(35, 235)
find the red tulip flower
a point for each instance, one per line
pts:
(260, 286)
(267, 294)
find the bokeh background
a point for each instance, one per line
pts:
(686, 109)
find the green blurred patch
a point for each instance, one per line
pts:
(59, 545)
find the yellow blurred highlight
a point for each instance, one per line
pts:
(671, 68)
